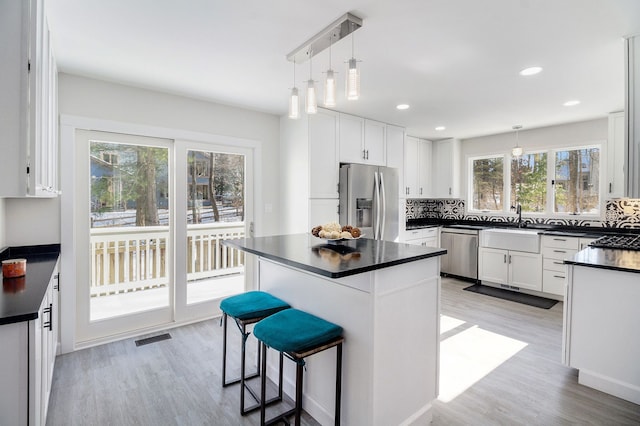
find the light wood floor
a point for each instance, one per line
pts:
(177, 381)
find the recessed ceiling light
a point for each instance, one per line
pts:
(440, 128)
(402, 106)
(571, 103)
(530, 71)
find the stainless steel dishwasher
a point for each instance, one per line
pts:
(461, 259)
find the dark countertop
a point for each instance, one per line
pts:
(350, 257)
(614, 259)
(544, 229)
(21, 298)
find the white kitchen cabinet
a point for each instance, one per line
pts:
(28, 105)
(323, 155)
(446, 168)
(510, 268)
(615, 156)
(395, 154)
(28, 353)
(427, 237)
(418, 166)
(555, 249)
(362, 141)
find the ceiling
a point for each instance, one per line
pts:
(455, 62)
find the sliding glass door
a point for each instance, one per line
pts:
(151, 215)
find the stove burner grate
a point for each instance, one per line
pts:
(622, 242)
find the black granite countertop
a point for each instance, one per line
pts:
(349, 257)
(21, 298)
(544, 229)
(615, 259)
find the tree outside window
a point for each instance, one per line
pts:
(529, 182)
(577, 181)
(488, 187)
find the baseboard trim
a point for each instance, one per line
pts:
(623, 390)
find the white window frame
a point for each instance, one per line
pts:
(505, 200)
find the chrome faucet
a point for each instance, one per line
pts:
(519, 213)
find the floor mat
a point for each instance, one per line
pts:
(513, 296)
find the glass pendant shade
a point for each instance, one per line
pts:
(353, 80)
(294, 104)
(330, 89)
(516, 151)
(311, 102)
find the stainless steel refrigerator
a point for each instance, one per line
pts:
(369, 200)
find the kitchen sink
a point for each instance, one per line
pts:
(511, 239)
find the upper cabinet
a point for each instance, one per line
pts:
(446, 168)
(362, 141)
(417, 171)
(615, 156)
(28, 105)
(395, 154)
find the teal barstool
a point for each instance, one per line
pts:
(248, 308)
(298, 335)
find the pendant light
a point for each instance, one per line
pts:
(329, 84)
(353, 76)
(294, 99)
(311, 102)
(517, 150)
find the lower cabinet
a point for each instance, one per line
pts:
(427, 237)
(510, 268)
(28, 352)
(555, 249)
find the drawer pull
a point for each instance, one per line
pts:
(559, 239)
(559, 251)
(558, 263)
(558, 276)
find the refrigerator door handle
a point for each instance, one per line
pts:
(376, 194)
(384, 206)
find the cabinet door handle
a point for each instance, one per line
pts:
(48, 324)
(420, 191)
(505, 259)
(56, 277)
(509, 259)
(610, 187)
(364, 154)
(367, 154)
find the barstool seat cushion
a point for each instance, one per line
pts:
(252, 304)
(293, 330)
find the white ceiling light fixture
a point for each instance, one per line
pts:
(334, 32)
(571, 103)
(440, 128)
(517, 150)
(530, 71)
(294, 99)
(330, 84)
(402, 107)
(311, 101)
(353, 76)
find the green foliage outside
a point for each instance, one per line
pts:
(488, 184)
(529, 182)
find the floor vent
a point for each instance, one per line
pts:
(153, 339)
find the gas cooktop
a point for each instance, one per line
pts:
(622, 242)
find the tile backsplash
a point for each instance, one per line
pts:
(619, 213)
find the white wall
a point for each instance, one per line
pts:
(2, 222)
(32, 221)
(566, 135)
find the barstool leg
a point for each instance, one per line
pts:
(338, 382)
(242, 367)
(299, 373)
(263, 384)
(224, 350)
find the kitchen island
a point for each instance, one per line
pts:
(386, 296)
(601, 320)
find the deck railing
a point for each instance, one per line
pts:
(135, 258)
